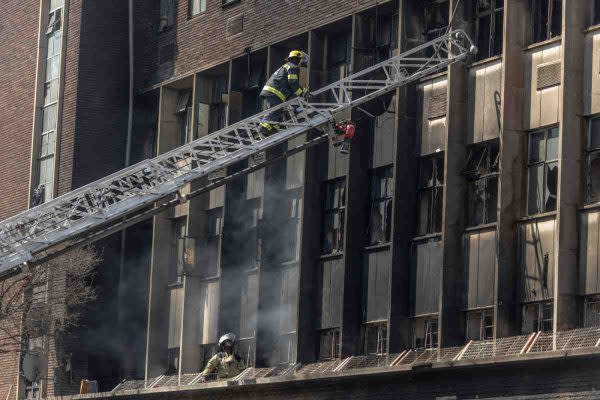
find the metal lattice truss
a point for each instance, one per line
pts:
(129, 190)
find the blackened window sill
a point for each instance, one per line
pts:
(437, 235)
(546, 215)
(537, 45)
(489, 60)
(379, 246)
(482, 227)
(331, 256)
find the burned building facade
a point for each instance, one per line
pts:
(466, 214)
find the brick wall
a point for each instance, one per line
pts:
(18, 58)
(96, 93)
(202, 41)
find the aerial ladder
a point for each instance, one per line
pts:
(138, 192)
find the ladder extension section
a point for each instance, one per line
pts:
(110, 199)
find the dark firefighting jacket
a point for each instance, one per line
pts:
(284, 83)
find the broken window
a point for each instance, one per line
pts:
(481, 171)
(329, 344)
(209, 265)
(375, 338)
(172, 361)
(197, 7)
(335, 207)
(591, 314)
(546, 19)
(537, 317)
(543, 171)
(593, 162)
(292, 227)
(54, 21)
(287, 348)
(425, 333)
(178, 236)
(489, 27)
(480, 325)
(431, 190)
(379, 228)
(184, 113)
(436, 20)
(167, 15)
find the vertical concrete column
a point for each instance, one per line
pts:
(405, 201)
(569, 172)
(513, 149)
(357, 183)
(310, 223)
(453, 219)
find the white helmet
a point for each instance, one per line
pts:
(228, 336)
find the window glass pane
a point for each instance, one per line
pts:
(198, 6)
(476, 202)
(424, 212)
(552, 145)
(484, 27)
(593, 178)
(491, 200)
(48, 143)
(439, 170)
(540, 20)
(49, 118)
(596, 12)
(536, 189)
(437, 210)
(51, 91)
(56, 3)
(556, 23)
(551, 186)
(426, 173)
(46, 171)
(537, 149)
(498, 32)
(594, 139)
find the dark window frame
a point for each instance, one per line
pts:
(434, 191)
(202, 12)
(436, 15)
(430, 339)
(595, 13)
(382, 176)
(333, 353)
(482, 177)
(592, 154)
(495, 13)
(331, 212)
(380, 328)
(544, 27)
(543, 317)
(546, 162)
(486, 330)
(591, 313)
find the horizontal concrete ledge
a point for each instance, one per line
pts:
(401, 371)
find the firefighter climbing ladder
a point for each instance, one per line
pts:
(132, 194)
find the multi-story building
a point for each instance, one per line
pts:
(454, 250)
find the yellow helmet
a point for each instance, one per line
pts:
(296, 53)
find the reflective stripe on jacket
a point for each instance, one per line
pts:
(284, 82)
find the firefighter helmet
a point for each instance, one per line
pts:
(228, 336)
(301, 56)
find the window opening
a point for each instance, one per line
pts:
(292, 226)
(380, 214)
(596, 12)
(546, 19)
(425, 333)
(480, 325)
(543, 171)
(592, 311)
(167, 15)
(329, 344)
(489, 27)
(184, 113)
(537, 317)
(593, 161)
(335, 207)
(197, 7)
(481, 170)
(431, 190)
(179, 235)
(375, 338)
(173, 361)
(436, 20)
